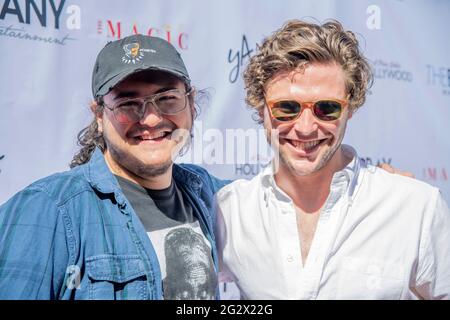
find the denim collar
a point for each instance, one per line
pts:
(183, 175)
(99, 175)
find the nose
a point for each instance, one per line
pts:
(152, 115)
(306, 124)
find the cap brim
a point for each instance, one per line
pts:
(115, 80)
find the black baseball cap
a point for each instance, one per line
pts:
(121, 58)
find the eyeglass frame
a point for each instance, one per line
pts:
(306, 105)
(146, 99)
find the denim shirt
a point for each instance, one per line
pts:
(74, 235)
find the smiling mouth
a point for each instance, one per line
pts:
(156, 137)
(308, 146)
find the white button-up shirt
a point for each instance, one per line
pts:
(379, 236)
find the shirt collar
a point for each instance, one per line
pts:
(99, 175)
(184, 176)
(349, 174)
(345, 179)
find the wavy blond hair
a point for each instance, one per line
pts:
(297, 43)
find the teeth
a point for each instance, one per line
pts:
(152, 137)
(305, 145)
(311, 144)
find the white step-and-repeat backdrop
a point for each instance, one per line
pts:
(48, 48)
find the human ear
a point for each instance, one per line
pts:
(98, 113)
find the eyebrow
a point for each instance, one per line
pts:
(134, 94)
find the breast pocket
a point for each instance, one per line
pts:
(369, 279)
(116, 277)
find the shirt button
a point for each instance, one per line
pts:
(290, 258)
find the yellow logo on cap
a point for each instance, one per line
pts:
(133, 53)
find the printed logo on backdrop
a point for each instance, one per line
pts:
(435, 174)
(120, 29)
(252, 169)
(438, 76)
(20, 19)
(391, 71)
(237, 58)
(377, 161)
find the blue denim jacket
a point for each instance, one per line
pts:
(74, 235)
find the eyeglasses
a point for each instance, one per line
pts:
(133, 110)
(290, 110)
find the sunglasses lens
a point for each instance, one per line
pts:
(285, 110)
(327, 110)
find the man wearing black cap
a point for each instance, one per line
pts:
(104, 229)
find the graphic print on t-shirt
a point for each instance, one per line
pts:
(186, 263)
(184, 253)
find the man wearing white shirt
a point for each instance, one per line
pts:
(320, 223)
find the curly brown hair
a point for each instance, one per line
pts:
(297, 43)
(89, 138)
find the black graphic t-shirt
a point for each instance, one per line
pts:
(183, 251)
